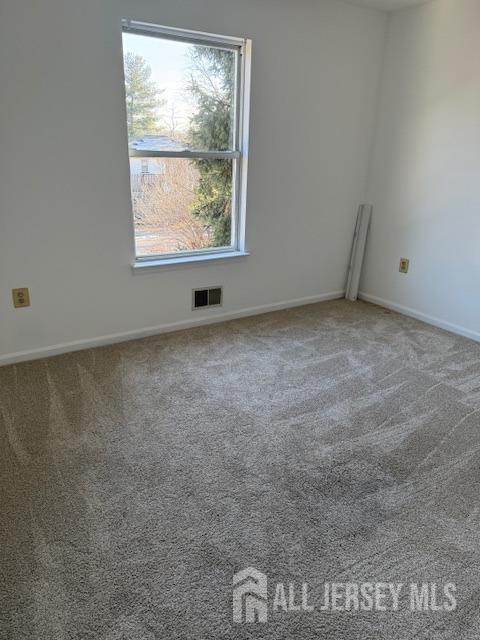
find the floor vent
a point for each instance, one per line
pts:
(211, 297)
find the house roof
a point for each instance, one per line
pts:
(155, 143)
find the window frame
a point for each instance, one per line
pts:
(238, 155)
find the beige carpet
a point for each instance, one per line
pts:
(334, 442)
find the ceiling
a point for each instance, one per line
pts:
(387, 5)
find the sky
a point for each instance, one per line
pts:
(169, 62)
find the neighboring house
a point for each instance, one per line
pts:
(151, 166)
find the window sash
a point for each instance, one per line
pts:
(208, 40)
(203, 155)
(235, 221)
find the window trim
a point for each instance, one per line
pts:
(188, 260)
(185, 35)
(238, 155)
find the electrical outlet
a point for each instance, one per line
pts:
(404, 265)
(21, 297)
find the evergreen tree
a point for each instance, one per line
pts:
(211, 128)
(142, 96)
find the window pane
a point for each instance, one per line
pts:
(180, 96)
(180, 204)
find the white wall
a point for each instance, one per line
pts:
(424, 183)
(65, 228)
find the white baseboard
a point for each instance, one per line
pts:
(418, 315)
(77, 345)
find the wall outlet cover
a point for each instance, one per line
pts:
(21, 297)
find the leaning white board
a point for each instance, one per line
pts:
(358, 251)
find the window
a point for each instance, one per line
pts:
(187, 108)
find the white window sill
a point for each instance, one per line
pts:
(187, 260)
